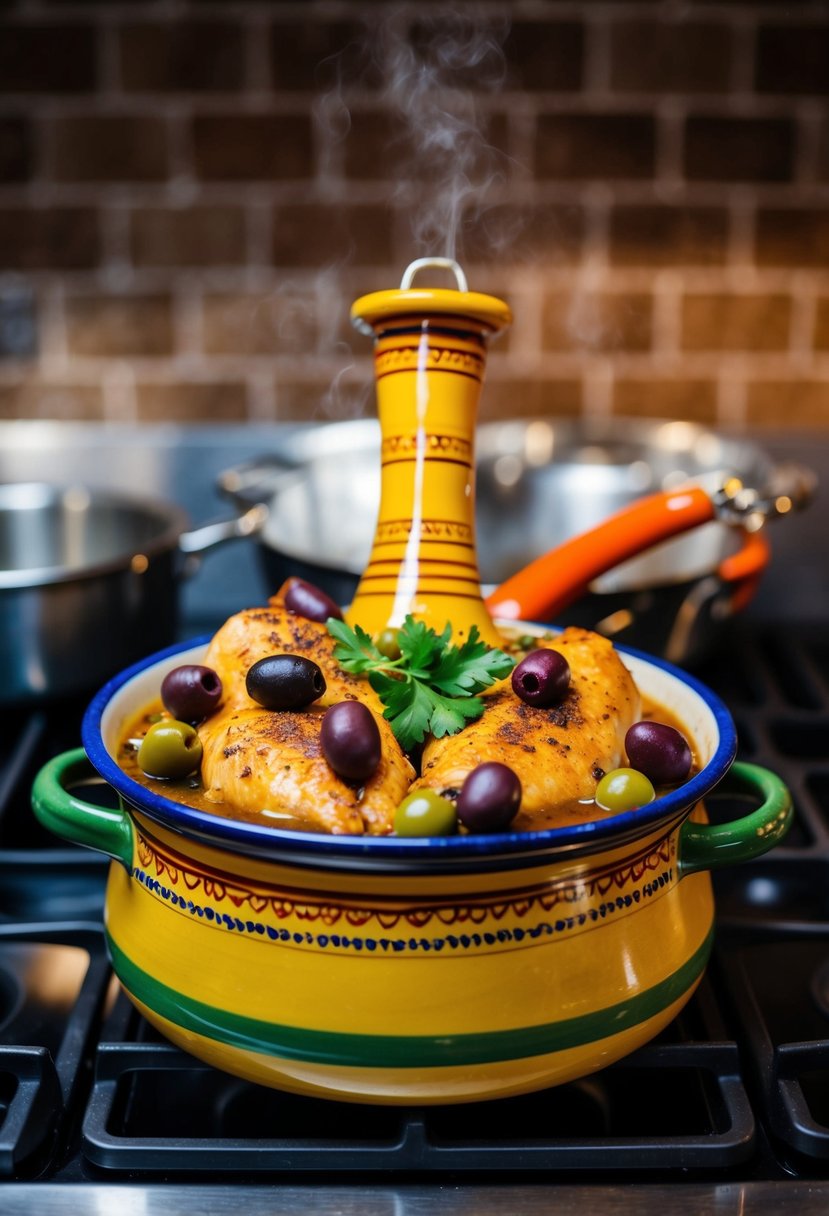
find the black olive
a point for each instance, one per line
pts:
(311, 602)
(191, 692)
(490, 798)
(542, 678)
(350, 740)
(285, 681)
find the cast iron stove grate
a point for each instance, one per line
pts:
(737, 1088)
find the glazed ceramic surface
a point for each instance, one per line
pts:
(442, 969)
(429, 360)
(404, 970)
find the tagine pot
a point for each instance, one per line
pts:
(406, 970)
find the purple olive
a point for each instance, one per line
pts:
(191, 692)
(309, 601)
(542, 678)
(285, 681)
(658, 751)
(350, 740)
(490, 798)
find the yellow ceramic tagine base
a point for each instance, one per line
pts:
(397, 988)
(430, 354)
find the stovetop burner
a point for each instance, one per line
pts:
(735, 1090)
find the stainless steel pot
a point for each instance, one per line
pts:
(539, 483)
(89, 582)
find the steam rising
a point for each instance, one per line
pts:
(434, 74)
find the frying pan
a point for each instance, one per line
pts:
(686, 553)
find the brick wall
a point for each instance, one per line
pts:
(193, 191)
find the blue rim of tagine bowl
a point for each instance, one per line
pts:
(461, 853)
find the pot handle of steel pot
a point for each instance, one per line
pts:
(58, 809)
(258, 480)
(705, 846)
(201, 540)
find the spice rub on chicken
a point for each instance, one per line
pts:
(257, 761)
(558, 753)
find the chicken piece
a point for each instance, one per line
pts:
(256, 633)
(267, 765)
(559, 753)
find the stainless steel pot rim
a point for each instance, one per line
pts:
(172, 522)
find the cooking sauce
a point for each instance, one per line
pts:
(191, 792)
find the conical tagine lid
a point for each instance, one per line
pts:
(429, 356)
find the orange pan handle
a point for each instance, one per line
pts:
(551, 582)
(744, 568)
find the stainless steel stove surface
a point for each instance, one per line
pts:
(727, 1111)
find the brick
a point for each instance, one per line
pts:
(551, 235)
(47, 58)
(789, 236)
(545, 55)
(376, 147)
(314, 234)
(252, 147)
(192, 401)
(191, 56)
(793, 59)
(16, 149)
(379, 146)
(726, 321)
(739, 149)
(318, 55)
(666, 397)
(32, 397)
(326, 399)
(822, 324)
(336, 291)
(58, 238)
(670, 57)
(119, 325)
(276, 322)
(606, 146)
(666, 235)
(188, 236)
(529, 397)
(823, 151)
(787, 404)
(109, 148)
(597, 321)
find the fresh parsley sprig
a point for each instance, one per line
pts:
(431, 688)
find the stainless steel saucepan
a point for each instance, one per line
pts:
(540, 484)
(89, 582)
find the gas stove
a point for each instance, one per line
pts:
(727, 1110)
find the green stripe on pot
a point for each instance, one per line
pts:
(402, 1051)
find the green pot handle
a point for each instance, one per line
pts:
(705, 846)
(58, 809)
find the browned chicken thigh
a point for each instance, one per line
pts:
(257, 633)
(559, 753)
(268, 765)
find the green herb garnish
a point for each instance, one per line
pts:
(431, 688)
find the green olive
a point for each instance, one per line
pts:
(624, 789)
(425, 813)
(170, 749)
(387, 643)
